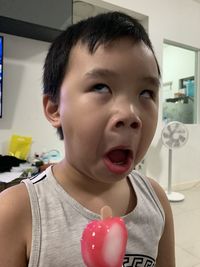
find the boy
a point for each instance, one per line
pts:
(101, 82)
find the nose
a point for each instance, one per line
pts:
(126, 116)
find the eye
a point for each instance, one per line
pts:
(148, 94)
(101, 88)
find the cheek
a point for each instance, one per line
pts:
(151, 124)
(148, 131)
(83, 143)
(82, 128)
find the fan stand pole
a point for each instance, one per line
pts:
(172, 196)
(169, 189)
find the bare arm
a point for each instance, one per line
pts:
(15, 227)
(166, 249)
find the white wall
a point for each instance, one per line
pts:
(175, 20)
(22, 91)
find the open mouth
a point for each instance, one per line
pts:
(119, 156)
(119, 160)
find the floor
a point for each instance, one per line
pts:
(187, 227)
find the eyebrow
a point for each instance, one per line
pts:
(152, 80)
(103, 73)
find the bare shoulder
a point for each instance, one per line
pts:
(15, 226)
(167, 240)
(14, 202)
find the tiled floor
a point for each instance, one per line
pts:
(187, 228)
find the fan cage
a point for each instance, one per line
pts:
(174, 135)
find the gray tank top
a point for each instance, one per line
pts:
(58, 221)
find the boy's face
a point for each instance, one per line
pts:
(108, 108)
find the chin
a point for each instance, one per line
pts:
(112, 177)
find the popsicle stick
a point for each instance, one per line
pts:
(106, 212)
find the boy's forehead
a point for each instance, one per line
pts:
(81, 57)
(84, 47)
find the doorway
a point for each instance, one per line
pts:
(179, 90)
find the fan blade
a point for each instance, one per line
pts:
(169, 128)
(182, 138)
(165, 135)
(176, 143)
(169, 143)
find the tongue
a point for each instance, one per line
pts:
(117, 155)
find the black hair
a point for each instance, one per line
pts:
(93, 32)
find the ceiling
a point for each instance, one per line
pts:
(82, 10)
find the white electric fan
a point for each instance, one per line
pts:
(174, 135)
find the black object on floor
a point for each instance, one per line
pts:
(7, 162)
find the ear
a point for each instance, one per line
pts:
(51, 111)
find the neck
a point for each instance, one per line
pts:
(94, 194)
(68, 176)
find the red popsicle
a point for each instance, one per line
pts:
(103, 242)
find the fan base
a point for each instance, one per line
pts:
(175, 197)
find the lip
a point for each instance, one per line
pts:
(119, 168)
